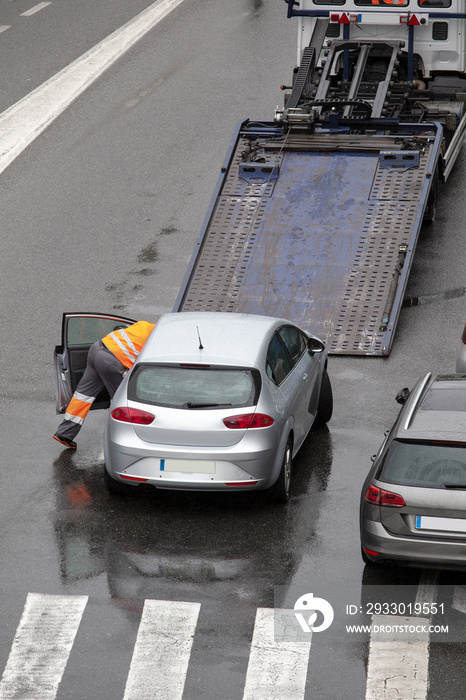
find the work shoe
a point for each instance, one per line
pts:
(64, 441)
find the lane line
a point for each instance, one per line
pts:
(162, 650)
(4, 27)
(41, 646)
(276, 669)
(24, 121)
(35, 9)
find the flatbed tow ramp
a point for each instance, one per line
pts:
(318, 228)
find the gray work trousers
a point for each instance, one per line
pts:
(103, 369)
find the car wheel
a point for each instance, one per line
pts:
(116, 488)
(280, 491)
(325, 405)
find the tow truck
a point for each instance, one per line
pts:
(317, 213)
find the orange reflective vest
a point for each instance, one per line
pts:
(127, 343)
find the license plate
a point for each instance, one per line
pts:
(191, 466)
(428, 522)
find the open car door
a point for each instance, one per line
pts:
(79, 331)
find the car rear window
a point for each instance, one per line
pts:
(430, 464)
(194, 387)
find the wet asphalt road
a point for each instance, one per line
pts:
(101, 213)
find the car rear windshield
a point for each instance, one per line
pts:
(431, 464)
(194, 387)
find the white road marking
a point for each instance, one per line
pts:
(459, 599)
(427, 588)
(24, 121)
(398, 668)
(161, 654)
(4, 27)
(276, 669)
(35, 9)
(41, 646)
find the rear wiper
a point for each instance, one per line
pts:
(191, 404)
(449, 485)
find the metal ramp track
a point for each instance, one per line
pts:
(315, 235)
(372, 92)
(306, 69)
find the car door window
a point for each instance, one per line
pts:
(278, 361)
(295, 342)
(85, 330)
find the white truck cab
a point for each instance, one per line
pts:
(435, 29)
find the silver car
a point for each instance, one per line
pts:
(461, 354)
(413, 502)
(216, 401)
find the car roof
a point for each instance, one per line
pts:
(436, 409)
(226, 338)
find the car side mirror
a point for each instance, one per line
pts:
(315, 345)
(402, 396)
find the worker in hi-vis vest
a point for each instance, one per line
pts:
(107, 363)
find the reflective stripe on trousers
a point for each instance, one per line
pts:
(79, 407)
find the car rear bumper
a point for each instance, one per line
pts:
(412, 551)
(224, 475)
(242, 467)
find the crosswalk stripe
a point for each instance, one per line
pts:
(41, 646)
(163, 647)
(398, 668)
(459, 599)
(276, 669)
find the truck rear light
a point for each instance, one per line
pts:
(241, 483)
(248, 420)
(378, 497)
(132, 415)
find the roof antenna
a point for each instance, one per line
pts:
(201, 347)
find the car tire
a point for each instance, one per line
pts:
(116, 488)
(280, 491)
(325, 405)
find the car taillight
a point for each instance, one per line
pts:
(132, 415)
(378, 497)
(248, 420)
(372, 495)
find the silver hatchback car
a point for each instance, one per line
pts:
(217, 401)
(413, 502)
(461, 353)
